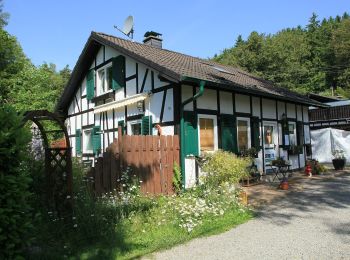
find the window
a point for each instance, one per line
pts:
(207, 133)
(104, 79)
(87, 141)
(243, 134)
(292, 134)
(135, 128)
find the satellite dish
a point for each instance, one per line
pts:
(128, 28)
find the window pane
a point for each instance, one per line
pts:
(292, 137)
(242, 135)
(87, 141)
(101, 76)
(206, 129)
(109, 78)
(136, 129)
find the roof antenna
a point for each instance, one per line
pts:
(128, 28)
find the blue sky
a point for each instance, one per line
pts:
(56, 31)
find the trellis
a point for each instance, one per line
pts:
(58, 160)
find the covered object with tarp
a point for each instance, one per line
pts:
(325, 141)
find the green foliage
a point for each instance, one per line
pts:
(310, 59)
(40, 85)
(127, 224)
(15, 211)
(221, 167)
(22, 84)
(177, 179)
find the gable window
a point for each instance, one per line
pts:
(243, 134)
(207, 127)
(87, 141)
(134, 127)
(104, 79)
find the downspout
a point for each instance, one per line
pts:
(182, 126)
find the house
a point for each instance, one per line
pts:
(335, 115)
(117, 82)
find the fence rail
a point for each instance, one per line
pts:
(323, 114)
(148, 158)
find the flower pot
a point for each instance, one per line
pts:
(284, 185)
(339, 164)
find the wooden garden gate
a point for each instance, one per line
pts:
(149, 159)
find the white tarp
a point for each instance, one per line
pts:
(326, 140)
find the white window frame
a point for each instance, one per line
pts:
(214, 117)
(139, 121)
(99, 89)
(248, 129)
(85, 140)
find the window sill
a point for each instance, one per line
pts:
(104, 96)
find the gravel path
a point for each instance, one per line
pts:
(310, 224)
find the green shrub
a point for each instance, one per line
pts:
(177, 179)
(15, 211)
(221, 167)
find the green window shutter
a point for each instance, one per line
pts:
(300, 134)
(146, 125)
(118, 74)
(191, 133)
(78, 142)
(121, 124)
(96, 139)
(228, 133)
(90, 85)
(255, 133)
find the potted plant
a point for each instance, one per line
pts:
(251, 152)
(295, 149)
(339, 160)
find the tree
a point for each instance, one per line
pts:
(310, 59)
(38, 87)
(3, 16)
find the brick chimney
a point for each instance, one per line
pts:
(153, 38)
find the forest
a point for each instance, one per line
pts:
(314, 58)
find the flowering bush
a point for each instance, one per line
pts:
(221, 167)
(193, 207)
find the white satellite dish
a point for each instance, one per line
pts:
(128, 28)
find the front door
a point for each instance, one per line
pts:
(270, 141)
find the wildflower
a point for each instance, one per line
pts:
(143, 231)
(75, 225)
(68, 197)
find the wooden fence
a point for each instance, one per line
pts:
(150, 159)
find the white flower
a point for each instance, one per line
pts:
(75, 225)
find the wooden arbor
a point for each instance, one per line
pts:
(58, 160)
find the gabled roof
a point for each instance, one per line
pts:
(175, 66)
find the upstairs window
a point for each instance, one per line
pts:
(104, 80)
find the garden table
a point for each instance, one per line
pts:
(280, 169)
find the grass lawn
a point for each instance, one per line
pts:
(136, 243)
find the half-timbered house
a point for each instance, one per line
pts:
(117, 82)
